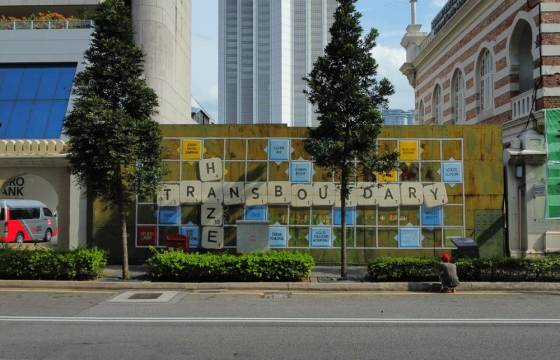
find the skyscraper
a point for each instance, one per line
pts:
(265, 49)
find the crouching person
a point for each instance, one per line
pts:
(448, 274)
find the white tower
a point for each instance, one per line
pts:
(163, 32)
(411, 42)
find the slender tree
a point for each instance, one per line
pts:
(348, 101)
(115, 146)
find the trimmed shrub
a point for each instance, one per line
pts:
(257, 266)
(40, 264)
(486, 269)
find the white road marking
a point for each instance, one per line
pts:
(275, 320)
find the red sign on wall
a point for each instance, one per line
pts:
(146, 236)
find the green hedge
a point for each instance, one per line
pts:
(258, 266)
(488, 269)
(51, 264)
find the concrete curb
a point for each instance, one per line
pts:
(278, 286)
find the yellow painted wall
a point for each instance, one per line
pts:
(245, 154)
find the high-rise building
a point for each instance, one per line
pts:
(398, 117)
(265, 49)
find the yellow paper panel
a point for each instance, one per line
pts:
(408, 151)
(191, 149)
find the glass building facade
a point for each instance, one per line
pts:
(34, 99)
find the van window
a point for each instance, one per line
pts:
(2, 214)
(47, 212)
(25, 214)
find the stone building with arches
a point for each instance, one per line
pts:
(496, 62)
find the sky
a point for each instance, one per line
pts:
(389, 17)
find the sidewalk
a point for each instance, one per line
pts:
(323, 278)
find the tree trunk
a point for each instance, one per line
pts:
(343, 195)
(122, 217)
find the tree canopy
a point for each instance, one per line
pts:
(348, 101)
(115, 146)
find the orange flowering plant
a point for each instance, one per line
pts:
(40, 21)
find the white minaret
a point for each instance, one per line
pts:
(411, 42)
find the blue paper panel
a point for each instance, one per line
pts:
(452, 172)
(409, 238)
(300, 172)
(350, 216)
(277, 236)
(194, 235)
(34, 99)
(169, 215)
(431, 216)
(255, 213)
(278, 149)
(320, 237)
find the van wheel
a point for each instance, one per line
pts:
(19, 238)
(48, 236)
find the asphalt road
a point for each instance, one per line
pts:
(36, 324)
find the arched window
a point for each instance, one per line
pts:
(438, 118)
(486, 81)
(421, 113)
(459, 97)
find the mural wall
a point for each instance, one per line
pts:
(449, 184)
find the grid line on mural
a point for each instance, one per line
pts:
(216, 171)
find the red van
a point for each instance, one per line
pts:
(26, 220)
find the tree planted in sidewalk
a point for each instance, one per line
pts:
(115, 146)
(348, 100)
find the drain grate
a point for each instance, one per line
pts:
(145, 296)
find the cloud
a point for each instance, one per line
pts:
(389, 61)
(438, 3)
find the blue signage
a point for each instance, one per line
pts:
(255, 213)
(194, 235)
(320, 237)
(431, 216)
(278, 150)
(452, 172)
(277, 236)
(350, 216)
(409, 238)
(169, 215)
(300, 171)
